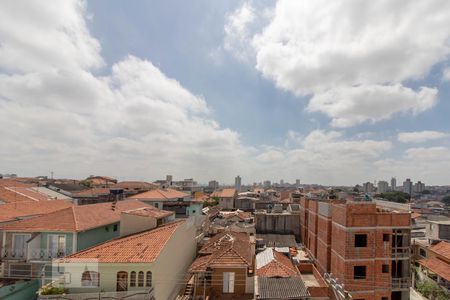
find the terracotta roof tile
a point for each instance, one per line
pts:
(14, 211)
(142, 247)
(437, 266)
(224, 193)
(160, 194)
(15, 191)
(277, 266)
(75, 218)
(442, 248)
(150, 211)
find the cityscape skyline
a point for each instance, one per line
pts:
(143, 96)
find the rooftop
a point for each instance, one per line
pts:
(143, 247)
(224, 193)
(75, 218)
(442, 248)
(437, 266)
(18, 210)
(150, 211)
(160, 194)
(271, 263)
(281, 288)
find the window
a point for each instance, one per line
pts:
(90, 278)
(56, 245)
(386, 237)
(156, 205)
(115, 227)
(148, 281)
(133, 278)
(20, 244)
(228, 282)
(422, 252)
(384, 298)
(359, 272)
(385, 268)
(122, 281)
(360, 240)
(141, 279)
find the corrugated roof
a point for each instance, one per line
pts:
(281, 288)
(142, 247)
(75, 218)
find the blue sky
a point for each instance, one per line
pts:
(329, 93)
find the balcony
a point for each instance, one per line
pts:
(401, 283)
(31, 254)
(147, 294)
(401, 252)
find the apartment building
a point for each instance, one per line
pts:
(365, 246)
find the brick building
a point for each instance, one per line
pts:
(366, 247)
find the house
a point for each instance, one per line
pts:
(237, 221)
(169, 199)
(436, 267)
(13, 191)
(94, 195)
(226, 197)
(101, 181)
(29, 244)
(135, 187)
(224, 267)
(152, 261)
(277, 278)
(10, 212)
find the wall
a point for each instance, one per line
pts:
(240, 280)
(278, 223)
(96, 236)
(130, 223)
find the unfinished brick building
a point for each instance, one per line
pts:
(366, 247)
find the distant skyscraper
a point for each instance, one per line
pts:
(237, 183)
(281, 182)
(393, 184)
(407, 186)
(169, 179)
(419, 187)
(267, 184)
(382, 186)
(368, 187)
(213, 184)
(297, 182)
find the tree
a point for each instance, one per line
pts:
(396, 196)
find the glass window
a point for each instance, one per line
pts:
(20, 244)
(149, 279)
(90, 278)
(133, 278)
(56, 245)
(141, 279)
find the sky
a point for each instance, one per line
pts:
(329, 92)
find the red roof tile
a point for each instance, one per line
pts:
(159, 194)
(150, 211)
(224, 193)
(75, 218)
(437, 266)
(279, 266)
(142, 247)
(15, 191)
(442, 248)
(14, 211)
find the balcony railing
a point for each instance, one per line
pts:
(31, 254)
(401, 252)
(400, 283)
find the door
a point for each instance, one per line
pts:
(228, 282)
(20, 245)
(122, 281)
(56, 245)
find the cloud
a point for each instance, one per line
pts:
(352, 49)
(238, 33)
(349, 106)
(446, 74)
(420, 136)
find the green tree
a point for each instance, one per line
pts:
(446, 200)
(396, 196)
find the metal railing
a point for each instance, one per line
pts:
(31, 254)
(399, 252)
(403, 282)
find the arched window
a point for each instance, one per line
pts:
(149, 279)
(141, 278)
(122, 281)
(133, 278)
(90, 278)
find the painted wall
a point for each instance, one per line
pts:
(96, 236)
(195, 209)
(69, 240)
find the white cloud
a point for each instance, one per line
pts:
(238, 33)
(324, 48)
(420, 136)
(446, 74)
(349, 106)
